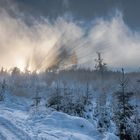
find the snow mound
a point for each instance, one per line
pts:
(71, 123)
(17, 123)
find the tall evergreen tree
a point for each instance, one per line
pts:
(124, 109)
(2, 90)
(101, 109)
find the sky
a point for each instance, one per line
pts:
(85, 10)
(35, 33)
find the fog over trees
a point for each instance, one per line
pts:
(109, 98)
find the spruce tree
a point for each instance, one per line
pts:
(2, 90)
(124, 109)
(101, 111)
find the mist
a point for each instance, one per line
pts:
(44, 43)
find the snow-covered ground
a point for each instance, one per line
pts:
(19, 122)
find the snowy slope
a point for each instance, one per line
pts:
(19, 123)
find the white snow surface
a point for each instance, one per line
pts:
(18, 121)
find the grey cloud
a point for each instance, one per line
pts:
(39, 46)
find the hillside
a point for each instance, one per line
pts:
(19, 122)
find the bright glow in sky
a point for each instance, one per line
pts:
(30, 47)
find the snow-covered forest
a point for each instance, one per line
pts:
(70, 104)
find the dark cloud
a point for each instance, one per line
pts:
(85, 10)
